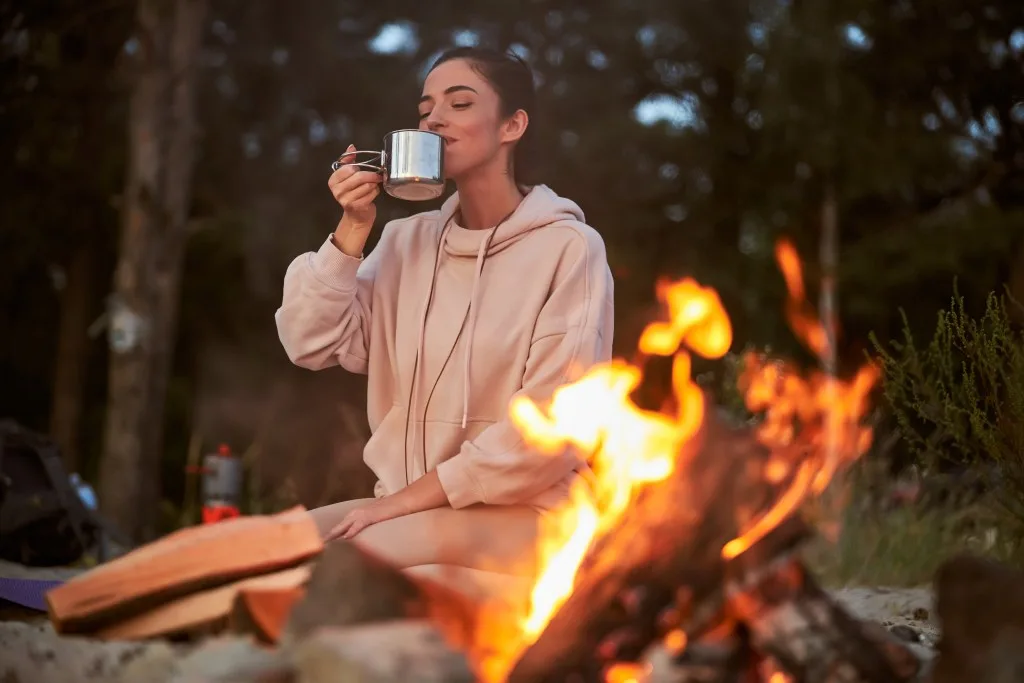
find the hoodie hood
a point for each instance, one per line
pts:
(540, 207)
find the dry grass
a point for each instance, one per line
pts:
(903, 546)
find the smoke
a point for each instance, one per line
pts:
(302, 433)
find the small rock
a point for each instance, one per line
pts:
(920, 614)
(384, 652)
(349, 586)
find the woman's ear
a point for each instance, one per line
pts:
(515, 126)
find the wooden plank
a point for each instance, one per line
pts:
(263, 611)
(202, 610)
(187, 561)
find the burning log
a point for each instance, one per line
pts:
(662, 573)
(661, 567)
(791, 619)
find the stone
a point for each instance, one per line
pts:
(981, 606)
(408, 651)
(349, 586)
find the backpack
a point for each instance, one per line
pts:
(43, 522)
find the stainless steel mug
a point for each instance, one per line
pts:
(412, 163)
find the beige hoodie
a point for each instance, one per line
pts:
(450, 324)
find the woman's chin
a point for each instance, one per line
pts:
(453, 174)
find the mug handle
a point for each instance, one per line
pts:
(362, 164)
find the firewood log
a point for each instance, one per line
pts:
(184, 562)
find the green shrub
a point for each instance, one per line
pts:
(960, 398)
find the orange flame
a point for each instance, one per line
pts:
(828, 411)
(629, 448)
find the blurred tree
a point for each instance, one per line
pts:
(61, 132)
(144, 305)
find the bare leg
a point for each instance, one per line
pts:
(498, 538)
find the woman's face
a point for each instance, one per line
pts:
(462, 107)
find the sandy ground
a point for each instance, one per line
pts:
(892, 607)
(29, 647)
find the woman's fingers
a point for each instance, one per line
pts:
(339, 530)
(348, 178)
(360, 196)
(366, 200)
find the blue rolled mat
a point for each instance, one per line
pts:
(30, 593)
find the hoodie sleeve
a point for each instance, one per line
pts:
(573, 332)
(324, 318)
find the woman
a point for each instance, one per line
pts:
(504, 291)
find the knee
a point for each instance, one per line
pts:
(329, 516)
(323, 520)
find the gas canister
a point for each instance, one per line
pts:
(221, 485)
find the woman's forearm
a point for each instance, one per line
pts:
(425, 493)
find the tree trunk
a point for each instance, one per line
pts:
(72, 348)
(144, 308)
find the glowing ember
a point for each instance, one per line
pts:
(629, 448)
(627, 673)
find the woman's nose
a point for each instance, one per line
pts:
(434, 121)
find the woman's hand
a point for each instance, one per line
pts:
(425, 493)
(374, 512)
(355, 189)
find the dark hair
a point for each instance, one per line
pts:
(512, 78)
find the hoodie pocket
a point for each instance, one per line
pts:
(384, 452)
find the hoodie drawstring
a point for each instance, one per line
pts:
(420, 336)
(480, 256)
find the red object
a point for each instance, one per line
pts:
(221, 480)
(218, 513)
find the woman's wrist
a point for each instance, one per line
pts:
(350, 238)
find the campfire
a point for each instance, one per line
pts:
(687, 532)
(686, 538)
